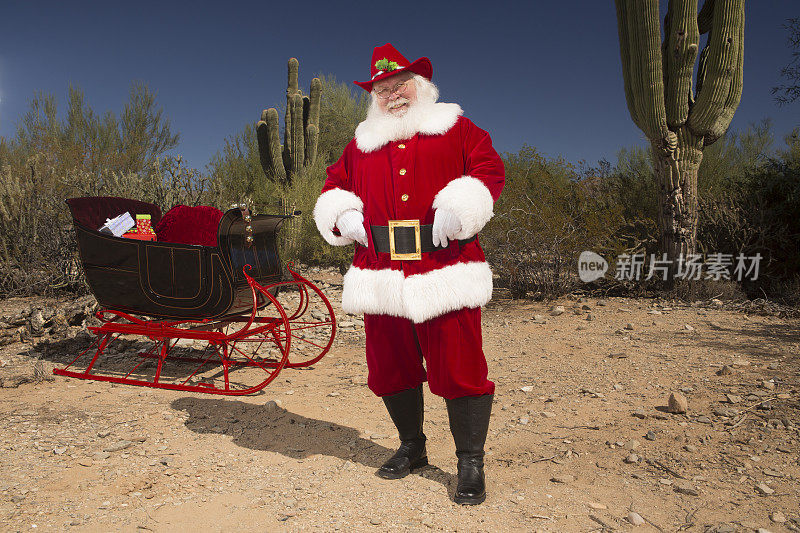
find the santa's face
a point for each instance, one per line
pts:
(396, 94)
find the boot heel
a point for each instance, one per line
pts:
(419, 463)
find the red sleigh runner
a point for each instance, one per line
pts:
(208, 311)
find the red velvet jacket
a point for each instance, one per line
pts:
(447, 162)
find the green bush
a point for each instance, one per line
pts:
(301, 242)
(544, 218)
(51, 159)
(757, 213)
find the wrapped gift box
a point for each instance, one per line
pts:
(118, 225)
(143, 224)
(140, 236)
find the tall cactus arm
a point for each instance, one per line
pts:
(287, 131)
(275, 148)
(722, 86)
(624, 51)
(648, 55)
(312, 139)
(681, 38)
(306, 109)
(646, 71)
(315, 95)
(306, 124)
(293, 86)
(720, 126)
(311, 121)
(262, 136)
(269, 147)
(705, 17)
(297, 150)
(634, 49)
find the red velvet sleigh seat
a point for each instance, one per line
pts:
(189, 225)
(192, 270)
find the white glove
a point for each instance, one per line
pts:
(351, 226)
(446, 225)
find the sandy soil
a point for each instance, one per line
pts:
(580, 435)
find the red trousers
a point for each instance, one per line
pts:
(450, 344)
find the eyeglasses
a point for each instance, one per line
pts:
(400, 88)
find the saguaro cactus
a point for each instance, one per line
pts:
(678, 121)
(301, 131)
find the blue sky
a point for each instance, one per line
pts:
(542, 73)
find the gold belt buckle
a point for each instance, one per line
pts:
(412, 256)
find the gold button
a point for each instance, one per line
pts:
(404, 197)
(401, 146)
(402, 172)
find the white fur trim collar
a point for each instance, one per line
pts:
(429, 119)
(419, 297)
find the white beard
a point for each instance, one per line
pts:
(399, 125)
(406, 122)
(424, 115)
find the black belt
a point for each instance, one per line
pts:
(406, 239)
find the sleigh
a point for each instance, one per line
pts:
(206, 307)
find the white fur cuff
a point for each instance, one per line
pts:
(329, 206)
(471, 200)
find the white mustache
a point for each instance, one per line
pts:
(397, 103)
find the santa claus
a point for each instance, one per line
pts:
(412, 190)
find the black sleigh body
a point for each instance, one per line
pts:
(174, 280)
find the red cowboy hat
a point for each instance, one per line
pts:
(387, 61)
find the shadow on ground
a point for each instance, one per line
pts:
(763, 342)
(272, 428)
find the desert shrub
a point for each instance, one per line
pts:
(754, 210)
(630, 186)
(544, 218)
(737, 154)
(300, 239)
(51, 159)
(235, 174)
(757, 213)
(342, 107)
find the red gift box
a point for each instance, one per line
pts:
(143, 225)
(140, 236)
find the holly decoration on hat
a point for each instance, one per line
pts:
(386, 65)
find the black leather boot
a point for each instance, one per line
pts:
(406, 410)
(469, 423)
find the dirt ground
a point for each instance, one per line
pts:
(580, 435)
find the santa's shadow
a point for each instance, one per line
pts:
(273, 428)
